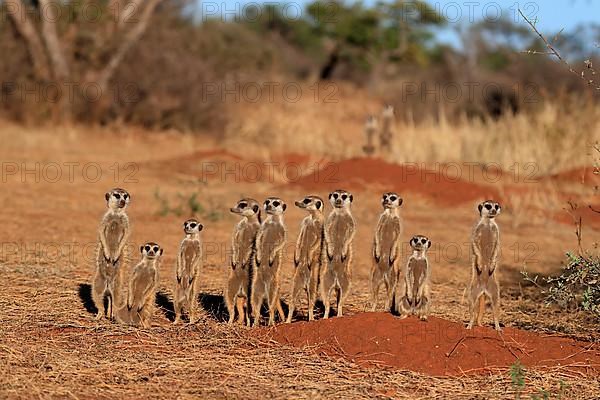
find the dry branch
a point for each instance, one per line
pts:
(554, 52)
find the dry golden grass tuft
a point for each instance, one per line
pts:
(553, 138)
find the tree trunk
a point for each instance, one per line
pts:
(332, 63)
(17, 12)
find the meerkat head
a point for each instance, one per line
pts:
(246, 207)
(420, 243)
(274, 206)
(311, 203)
(340, 199)
(391, 200)
(192, 226)
(388, 110)
(151, 250)
(489, 209)
(117, 198)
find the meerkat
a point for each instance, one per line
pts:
(386, 133)
(307, 255)
(140, 300)
(386, 248)
(270, 241)
(111, 254)
(414, 290)
(485, 247)
(187, 270)
(370, 129)
(338, 234)
(237, 293)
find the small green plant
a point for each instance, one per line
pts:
(185, 205)
(576, 287)
(517, 377)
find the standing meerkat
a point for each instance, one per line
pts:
(387, 129)
(485, 246)
(386, 249)
(187, 271)
(414, 291)
(270, 241)
(339, 232)
(111, 254)
(237, 293)
(140, 300)
(370, 130)
(307, 256)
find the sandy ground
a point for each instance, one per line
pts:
(53, 198)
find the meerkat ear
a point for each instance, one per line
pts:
(200, 227)
(428, 243)
(480, 207)
(142, 249)
(400, 201)
(255, 208)
(185, 225)
(319, 205)
(160, 252)
(284, 206)
(330, 195)
(107, 196)
(351, 198)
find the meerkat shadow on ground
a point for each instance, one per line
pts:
(165, 305)
(216, 308)
(84, 290)
(214, 305)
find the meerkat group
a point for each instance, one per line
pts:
(322, 263)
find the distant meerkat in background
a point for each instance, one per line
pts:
(386, 249)
(270, 241)
(370, 130)
(140, 300)
(339, 232)
(485, 246)
(387, 129)
(187, 271)
(414, 292)
(307, 256)
(237, 293)
(111, 254)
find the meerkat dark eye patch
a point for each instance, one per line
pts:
(147, 248)
(344, 196)
(496, 207)
(306, 201)
(193, 225)
(318, 204)
(242, 205)
(335, 196)
(125, 196)
(255, 208)
(155, 248)
(276, 204)
(423, 241)
(267, 202)
(488, 206)
(393, 198)
(117, 196)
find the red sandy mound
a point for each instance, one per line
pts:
(436, 347)
(443, 186)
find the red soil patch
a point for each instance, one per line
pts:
(577, 175)
(359, 173)
(436, 347)
(589, 216)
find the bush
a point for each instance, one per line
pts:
(578, 285)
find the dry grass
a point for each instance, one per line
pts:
(51, 347)
(554, 138)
